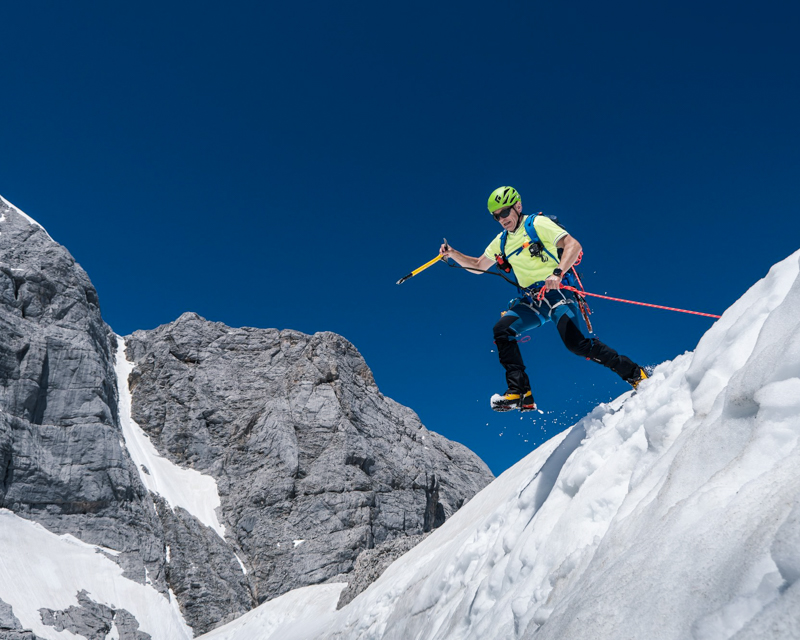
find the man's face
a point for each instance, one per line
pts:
(507, 216)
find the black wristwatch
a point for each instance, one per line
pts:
(557, 272)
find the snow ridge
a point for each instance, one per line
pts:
(669, 514)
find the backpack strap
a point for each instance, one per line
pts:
(567, 278)
(501, 259)
(534, 245)
(504, 238)
(530, 229)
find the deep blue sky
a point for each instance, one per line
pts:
(282, 165)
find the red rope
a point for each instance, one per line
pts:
(644, 304)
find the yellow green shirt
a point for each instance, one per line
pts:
(527, 269)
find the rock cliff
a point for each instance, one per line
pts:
(62, 461)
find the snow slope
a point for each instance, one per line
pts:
(39, 569)
(303, 611)
(669, 514)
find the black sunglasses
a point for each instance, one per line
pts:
(503, 213)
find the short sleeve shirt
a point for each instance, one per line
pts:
(528, 269)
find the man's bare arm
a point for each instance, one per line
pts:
(468, 262)
(572, 249)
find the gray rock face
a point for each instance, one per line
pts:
(314, 465)
(8, 621)
(371, 564)
(18, 635)
(6, 634)
(203, 571)
(61, 460)
(10, 627)
(94, 621)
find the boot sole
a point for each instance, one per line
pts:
(503, 409)
(521, 409)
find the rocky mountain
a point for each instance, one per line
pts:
(310, 465)
(313, 464)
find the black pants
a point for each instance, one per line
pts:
(510, 357)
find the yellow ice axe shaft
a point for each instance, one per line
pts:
(420, 269)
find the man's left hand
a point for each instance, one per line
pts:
(552, 282)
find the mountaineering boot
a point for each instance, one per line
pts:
(638, 375)
(527, 403)
(513, 400)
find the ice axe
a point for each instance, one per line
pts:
(423, 267)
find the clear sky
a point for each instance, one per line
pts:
(284, 164)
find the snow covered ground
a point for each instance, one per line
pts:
(297, 614)
(39, 569)
(670, 514)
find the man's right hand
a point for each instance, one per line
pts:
(445, 251)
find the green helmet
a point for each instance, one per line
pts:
(503, 197)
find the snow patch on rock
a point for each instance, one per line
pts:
(186, 488)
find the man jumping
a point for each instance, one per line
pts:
(538, 261)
